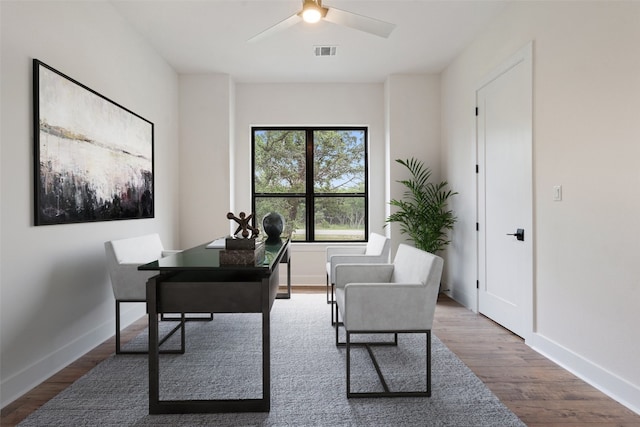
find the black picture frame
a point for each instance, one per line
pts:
(93, 158)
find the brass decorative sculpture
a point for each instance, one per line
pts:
(243, 224)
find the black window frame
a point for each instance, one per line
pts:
(310, 195)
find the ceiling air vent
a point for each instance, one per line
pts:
(325, 50)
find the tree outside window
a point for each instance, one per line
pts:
(316, 178)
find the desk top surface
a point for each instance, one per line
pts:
(203, 258)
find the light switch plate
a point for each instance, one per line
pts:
(557, 193)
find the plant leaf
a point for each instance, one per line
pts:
(422, 214)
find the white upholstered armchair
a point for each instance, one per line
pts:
(376, 250)
(389, 298)
(128, 283)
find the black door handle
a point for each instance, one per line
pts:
(519, 234)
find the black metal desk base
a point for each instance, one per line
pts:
(209, 406)
(198, 292)
(286, 258)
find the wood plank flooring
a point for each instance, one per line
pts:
(537, 390)
(534, 388)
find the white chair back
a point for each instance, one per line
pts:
(378, 245)
(123, 258)
(412, 265)
(142, 249)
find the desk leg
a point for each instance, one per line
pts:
(154, 356)
(266, 345)
(287, 295)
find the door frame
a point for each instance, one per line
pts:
(523, 55)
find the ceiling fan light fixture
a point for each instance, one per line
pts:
(311, 12)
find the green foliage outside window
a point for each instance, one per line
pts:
(280, 162)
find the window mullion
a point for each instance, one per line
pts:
(310, 202)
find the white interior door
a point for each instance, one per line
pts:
(505, 195)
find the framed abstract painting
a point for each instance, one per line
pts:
(93, 157)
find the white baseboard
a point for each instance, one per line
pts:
(308, 280)
(467, 300)
(617, 388)
(23, 381)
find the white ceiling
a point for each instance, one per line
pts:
(210, 36)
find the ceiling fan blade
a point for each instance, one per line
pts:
(359, 22)
(280, 26)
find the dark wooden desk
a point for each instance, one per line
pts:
(193, 281)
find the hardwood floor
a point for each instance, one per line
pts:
(534, 388)
(537, 390)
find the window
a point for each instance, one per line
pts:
(316, 178)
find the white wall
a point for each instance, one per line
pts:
(205, 138)
(412, 130)
(586, 138)
(56, 298)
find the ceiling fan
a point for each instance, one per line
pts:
(312, 11)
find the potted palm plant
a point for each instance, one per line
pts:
(423, 213)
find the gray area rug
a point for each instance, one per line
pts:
(223, 360)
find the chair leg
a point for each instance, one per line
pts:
(209, 318)
(329, 299)
(348, 345)
(333, 302)
(333, 321)
(337, 324)
(428, 363)
(387, 392)
(180, 326)
(117, 327)
(335, 307)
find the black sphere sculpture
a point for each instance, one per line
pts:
(273, 224)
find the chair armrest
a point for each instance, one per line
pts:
(129, 265)
(355, 259)
(167, 252)
(388, 306)
(346, 250)
(128, 282)
(362, 273)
